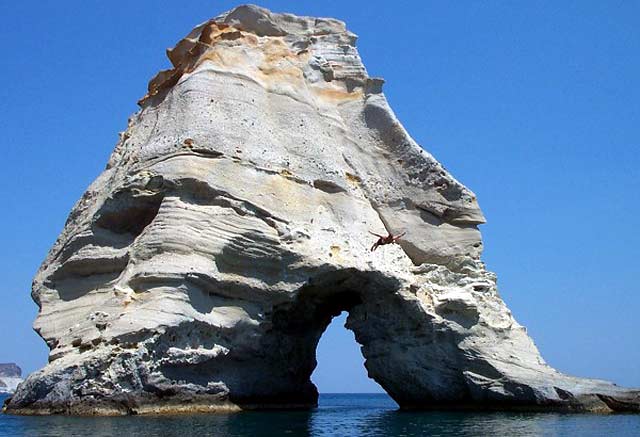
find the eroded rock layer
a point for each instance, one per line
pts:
(231, 224)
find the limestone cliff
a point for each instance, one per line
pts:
(231, 224)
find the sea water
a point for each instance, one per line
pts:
(337, 415)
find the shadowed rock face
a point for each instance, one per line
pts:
(198, 272)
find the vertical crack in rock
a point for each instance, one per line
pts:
(199, 270)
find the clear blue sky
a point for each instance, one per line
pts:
(534, 105)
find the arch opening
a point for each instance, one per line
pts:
(340, 364)
(297, 326)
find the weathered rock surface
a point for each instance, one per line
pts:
(10, 377)
(198, 272)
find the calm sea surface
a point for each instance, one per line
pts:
(337, 415)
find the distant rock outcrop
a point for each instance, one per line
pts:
(198, 272)
(10, 377)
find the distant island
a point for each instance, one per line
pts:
(10, 377)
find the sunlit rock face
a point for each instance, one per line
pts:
(198, 272)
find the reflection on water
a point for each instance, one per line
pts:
(338, 415)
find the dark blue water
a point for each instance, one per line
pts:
(337, 415)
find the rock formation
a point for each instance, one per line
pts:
(199, 270)
(10, 377)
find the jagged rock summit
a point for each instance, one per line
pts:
(198, 272)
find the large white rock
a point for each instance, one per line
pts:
(231, 224)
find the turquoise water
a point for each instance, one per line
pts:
(337, 415)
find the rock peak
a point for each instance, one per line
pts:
(263, 22)
(272, 48)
